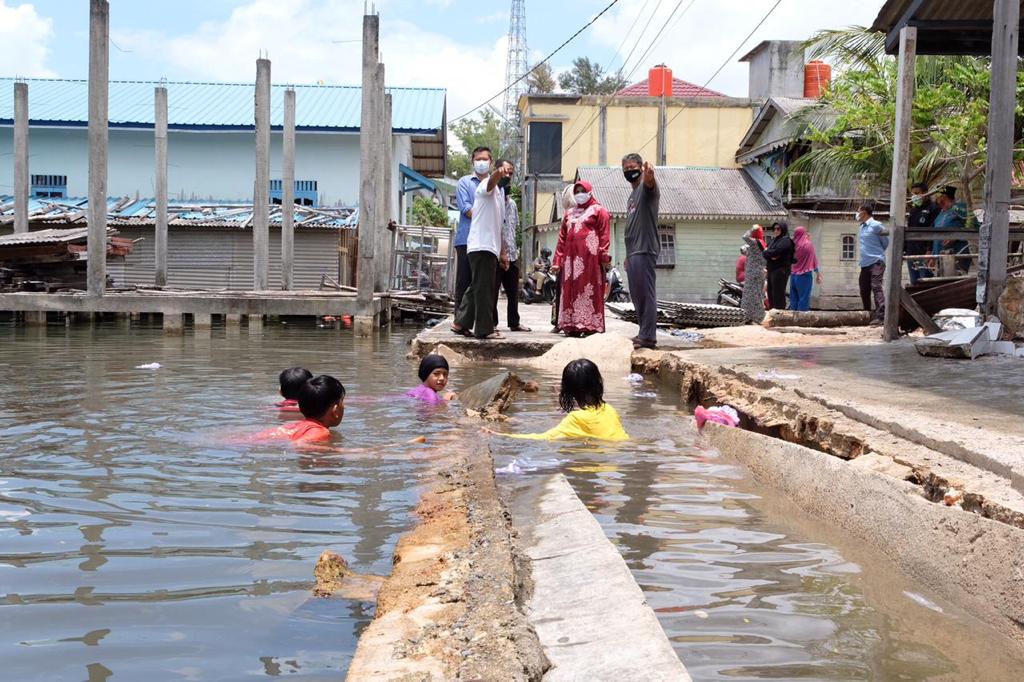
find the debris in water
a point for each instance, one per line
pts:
(635, 378)
(151, 365)
(645, 394)
(701, 614)
(719, 414)
(516, 466)
(923, 601)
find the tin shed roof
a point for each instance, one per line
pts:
(220, 106)
(688, 193)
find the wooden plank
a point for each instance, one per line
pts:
(993, 245)
(918, 313)
(898, 186)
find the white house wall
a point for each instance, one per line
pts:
(201, 165)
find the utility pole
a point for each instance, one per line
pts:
(99, 71)
(288, 191)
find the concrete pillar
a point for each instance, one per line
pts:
(174, 324)
(232, 320)
(288, 191)
(255, 323)
(386, 242)
(99, 38)
(160, 144)
(994, 237)
(898, 187)
(364, 325)
(202, 321)
(370, 139)
(21, 185)
(35, 318)
(261, 192)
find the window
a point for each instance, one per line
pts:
(544, 155)
(305, 192)
(49, 186)
(849, 248)
(667, 242)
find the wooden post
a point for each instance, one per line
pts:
(288, 191)
(369, 149)
(99, 62)
(261, 191)
(898, 187)
(993, 241)
(160, 223)
(21, 184)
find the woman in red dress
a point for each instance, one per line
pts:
(582, 258)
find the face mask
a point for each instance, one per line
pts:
(632, 175)
(916, 200)
(504, 183)
(581, 198)
(481, 166)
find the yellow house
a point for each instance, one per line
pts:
(666, 120)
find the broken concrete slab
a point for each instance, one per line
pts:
(965, 344)
(492, 397)
(883, 465)
(589, 613)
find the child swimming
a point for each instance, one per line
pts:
(589, 416)
(433, 373)
(292, 381)
(322, 403)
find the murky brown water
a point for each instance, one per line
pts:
(136, 542)
(745, 586)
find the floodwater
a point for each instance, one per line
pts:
(745, 586)
(138, 542)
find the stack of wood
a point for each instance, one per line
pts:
(429, 303)
(51, 260)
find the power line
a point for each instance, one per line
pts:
(538, 64)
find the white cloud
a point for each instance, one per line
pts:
(24, 40)
(303, 39)
(696, 44)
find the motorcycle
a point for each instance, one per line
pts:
(729, 293)
(529, 294)
(616, 292)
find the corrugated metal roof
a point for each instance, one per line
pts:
(228, 106)
(688, 193)
(54, 236)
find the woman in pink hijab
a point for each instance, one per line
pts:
(805, 268)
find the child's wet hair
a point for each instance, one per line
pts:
(582, 386)
(431, 362)
(292, 380)
(318, 394)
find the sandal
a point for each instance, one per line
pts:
(460, 332)
(493, 336)
(520, 328)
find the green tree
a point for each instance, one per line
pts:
(588, 78)
(427, 212)
(852, 130)
(541, 80)
(483, 130)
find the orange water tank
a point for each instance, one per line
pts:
(659, 81)
(817, 76)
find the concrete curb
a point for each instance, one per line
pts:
(970, 560)
(590, 615)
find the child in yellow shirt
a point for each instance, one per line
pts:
(589, 416)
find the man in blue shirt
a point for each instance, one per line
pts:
(465, 193)
(952, 216)
(874, 239)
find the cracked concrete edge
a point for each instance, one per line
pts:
(448, 611)
(973, 562)
(779, 410)
(588, 611)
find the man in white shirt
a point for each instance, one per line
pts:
(486, 250)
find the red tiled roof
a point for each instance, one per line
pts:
(680, 88)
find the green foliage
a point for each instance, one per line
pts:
(426, 212)
(541, 80)
(483, 130)
(588, 78)
(852, 132)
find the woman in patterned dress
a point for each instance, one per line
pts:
(582, 257)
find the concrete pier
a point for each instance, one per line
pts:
(99, 56)
(160, 146)
(174, 324)
(21, 175)
(35, 319)
(202, 321)
(255, 324)
(288, 191)
(370, 143)
(261, 190)
(232, 320)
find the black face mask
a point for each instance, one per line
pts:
(504, 183)
(632, 175)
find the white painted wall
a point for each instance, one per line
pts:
(201, 165)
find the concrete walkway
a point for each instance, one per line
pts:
(967, 409)
(590, 615)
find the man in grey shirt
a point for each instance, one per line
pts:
(642, 246)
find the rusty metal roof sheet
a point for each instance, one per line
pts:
(53, 236)
(688, 193)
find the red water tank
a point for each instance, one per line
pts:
(817, 76)
(659, 81)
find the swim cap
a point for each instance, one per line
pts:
(431, 362)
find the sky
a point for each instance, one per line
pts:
(455, 44)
